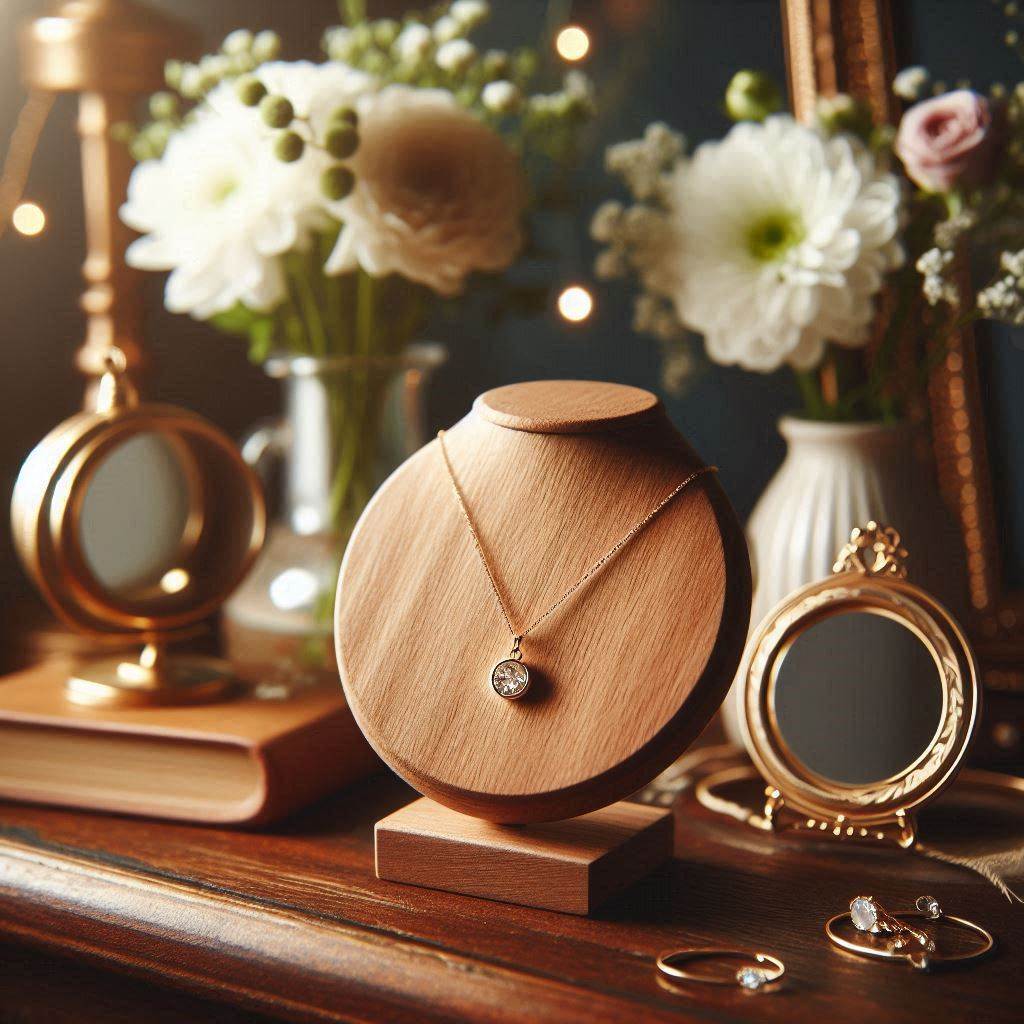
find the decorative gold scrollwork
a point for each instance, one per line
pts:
(874, 551)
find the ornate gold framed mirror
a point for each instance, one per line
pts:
(860, 698)
(135, 521)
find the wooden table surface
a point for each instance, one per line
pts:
(292, 924)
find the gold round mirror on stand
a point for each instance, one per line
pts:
(860, 696)
(136, 521)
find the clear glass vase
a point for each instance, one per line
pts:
(348, 422)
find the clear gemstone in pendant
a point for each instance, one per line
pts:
(751, 978)
(510, 679)
(863, 914)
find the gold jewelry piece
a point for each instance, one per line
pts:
(868, 915)
(901, 946)
(510, 677)
(749, 977)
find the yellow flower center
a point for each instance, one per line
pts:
(774, 235)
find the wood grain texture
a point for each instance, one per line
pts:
(571, 866)
(294, 924)
(624, 675)
(565, 406)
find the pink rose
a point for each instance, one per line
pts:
(947, 140)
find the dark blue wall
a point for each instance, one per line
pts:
(677, 60)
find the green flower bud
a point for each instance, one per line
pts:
(141, 150)
(345, 115)
(375, 63)
(337, 182)
(163, 106)
(250, 90)
(752, 96)
(289, 147)
(341, 141)
(172, 73)
(158, 134)
(266, 45)
(385, 32)
(496, 64)
(123, 132)
(844, 114)
(524, 64)
(276, 111)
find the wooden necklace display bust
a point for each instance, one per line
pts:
(630, 669)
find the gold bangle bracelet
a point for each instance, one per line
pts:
(749, 977)
(916, 955)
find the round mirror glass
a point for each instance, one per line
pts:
(135, 515)
(857, 698)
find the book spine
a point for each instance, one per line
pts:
(307, 764)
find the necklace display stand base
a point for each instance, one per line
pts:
(571, 866)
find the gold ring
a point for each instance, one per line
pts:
(897, 948)
(749, 977)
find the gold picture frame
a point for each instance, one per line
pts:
(869, 578)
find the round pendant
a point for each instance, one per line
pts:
(510, 679)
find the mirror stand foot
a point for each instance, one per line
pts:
(156, 679)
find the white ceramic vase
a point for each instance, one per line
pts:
(837, 476)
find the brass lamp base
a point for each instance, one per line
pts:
(155, 679)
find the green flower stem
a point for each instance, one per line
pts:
(307, 302)
(814, 406)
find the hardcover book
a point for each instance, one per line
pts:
(247, 761)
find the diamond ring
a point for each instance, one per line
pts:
(868, 915)
(752, 977)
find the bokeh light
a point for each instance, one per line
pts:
(572, 43)
(575, 304)
(28, 219)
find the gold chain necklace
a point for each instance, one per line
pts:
(510, 678)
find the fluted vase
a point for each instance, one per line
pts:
(836, 476)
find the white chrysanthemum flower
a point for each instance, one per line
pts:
(780, 239)
(218, 209)
(438, 193)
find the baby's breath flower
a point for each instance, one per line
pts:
(950, 231)
(385, 32)
(610, 264)
(266, 46)
(911, 83)
(455, 55)
(501, 97)
(470, 13)
(239, 41)
(642, 163)
(606, 220)
(936, 287)
(447, 28)
(338, 43)
(414, 42)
